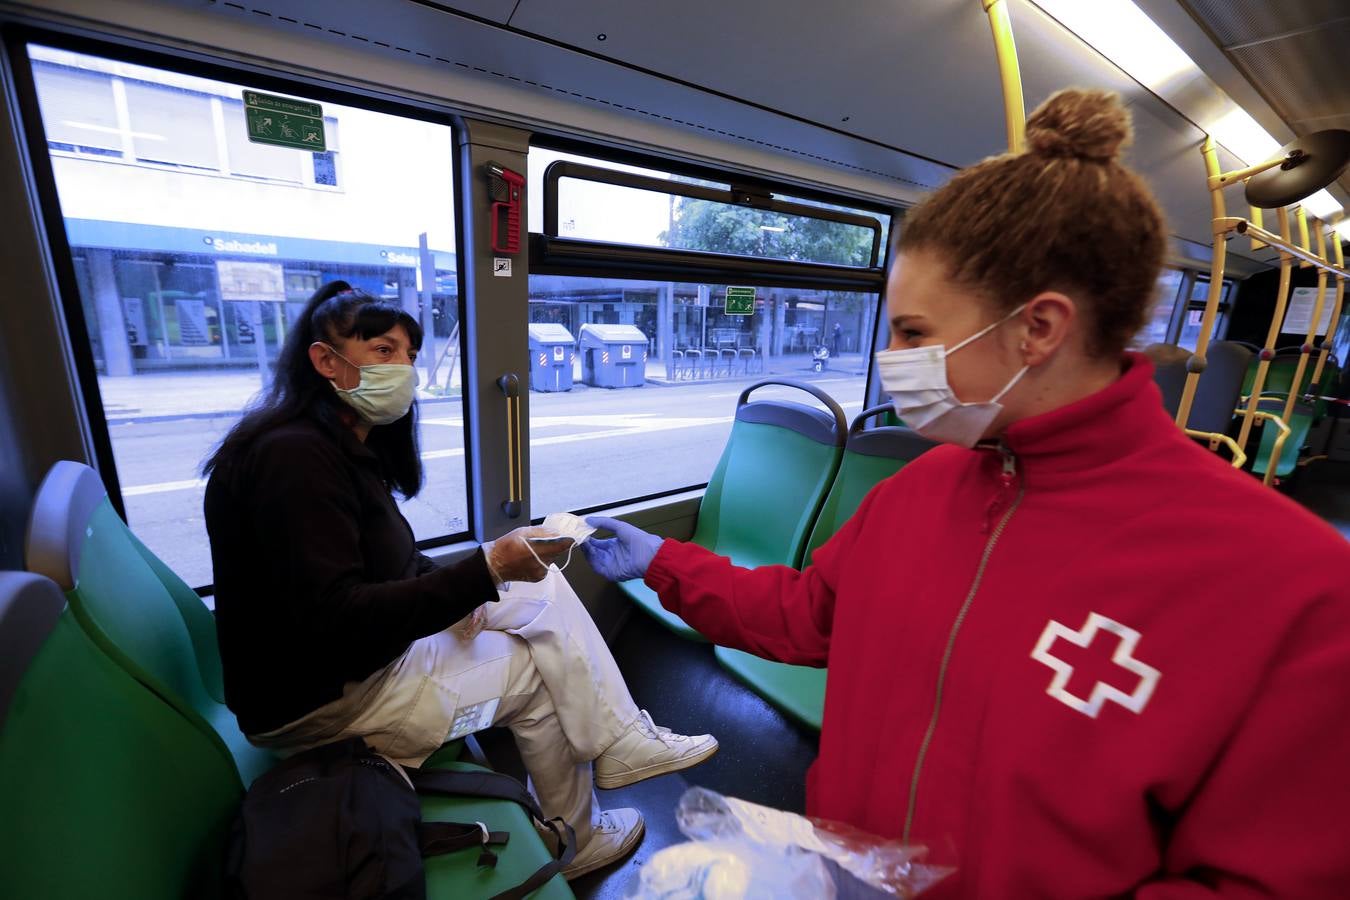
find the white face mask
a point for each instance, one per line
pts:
(563, 525)
(384, 394)
(916, 379)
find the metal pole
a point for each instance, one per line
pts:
(1263, 367)
(1306, 350)
(427, 269)
(1336, 310)
(1014, 109)
(1196, 364)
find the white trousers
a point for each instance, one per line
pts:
(539, 668)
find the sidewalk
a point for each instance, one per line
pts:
(159, 396)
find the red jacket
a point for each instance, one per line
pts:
(1196, 744)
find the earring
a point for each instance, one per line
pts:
(1023, 347)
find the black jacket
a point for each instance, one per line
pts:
(318, 578)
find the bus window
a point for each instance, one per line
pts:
(1155, 331)
(636, 378)
(1195, 313)
(195, 247)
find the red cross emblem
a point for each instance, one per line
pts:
(1135, 701)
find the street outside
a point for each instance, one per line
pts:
(588, 447)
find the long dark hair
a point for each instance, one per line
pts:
(336, 310)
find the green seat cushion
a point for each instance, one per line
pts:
(120, 599)
(647, 600)
(1299, 426)
(799, 691)
(765, 494)
(108, 791)
(456, 876)
(857, 475)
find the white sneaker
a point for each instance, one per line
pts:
(646, 750)
(617, 835)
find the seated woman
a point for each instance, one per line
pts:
(332, 624)
(1073, 653)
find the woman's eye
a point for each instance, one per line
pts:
(910, 334)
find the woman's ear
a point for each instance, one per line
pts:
(1047, 319)
(324, 360)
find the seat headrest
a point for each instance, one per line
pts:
(57, 530)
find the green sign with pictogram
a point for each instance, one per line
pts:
(283, 122)
(740, 301)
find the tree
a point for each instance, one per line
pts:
(723, 228)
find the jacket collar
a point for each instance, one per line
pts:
(1096, 431)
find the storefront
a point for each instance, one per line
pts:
(178, 298)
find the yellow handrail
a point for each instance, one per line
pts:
(1276, 321)
(1274, 461)
(1215, 439)
(1336, 310)
(1196, 364)
(1014, 108)
(1306, 349)
(1243, 226)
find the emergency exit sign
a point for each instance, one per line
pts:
(283, 122)
(740, 301)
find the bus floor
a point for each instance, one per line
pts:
(1324, 488)
(762, 757)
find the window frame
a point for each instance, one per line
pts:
(553, 255)
(16, 38)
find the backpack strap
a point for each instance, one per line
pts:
(447, 837)
(497, 786)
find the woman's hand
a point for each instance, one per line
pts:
(624, 556)
(511, 558)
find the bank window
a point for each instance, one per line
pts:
(634, 373)
(81, 110)
(171, 125)
(189, 285)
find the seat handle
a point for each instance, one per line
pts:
(869, 413)
(840, 421)
(510, 386)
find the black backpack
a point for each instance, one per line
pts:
(340, 822)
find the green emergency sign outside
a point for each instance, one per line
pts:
(283, 122)
(740, 301)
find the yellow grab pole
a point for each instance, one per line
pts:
(1336, 310)
(1302, 218)
(1263, 367)
(1014, 109)
(1196, 364)
(1306, 349)
(1257, 219)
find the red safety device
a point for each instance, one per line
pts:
(504, 186)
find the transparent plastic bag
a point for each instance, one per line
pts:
(743, 851)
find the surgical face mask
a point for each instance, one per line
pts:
(384, 394)
(563, 525)
(916, 379)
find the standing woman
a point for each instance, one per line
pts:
(1072, 652)
(331, 624)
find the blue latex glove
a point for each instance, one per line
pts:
(624, 556)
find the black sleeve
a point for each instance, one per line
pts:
(308, 520)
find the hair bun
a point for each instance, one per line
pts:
(1080, 124)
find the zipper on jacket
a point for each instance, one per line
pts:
(1008, 474)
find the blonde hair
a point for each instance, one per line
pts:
(1065, 215)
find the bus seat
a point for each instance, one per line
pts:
(109, 792)
(142, 809)
(1300, 423)
(159, 631)
(767, 488)
(1219, 392)
(456, 875)
(870, 457)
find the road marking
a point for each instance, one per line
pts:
(615, 426)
